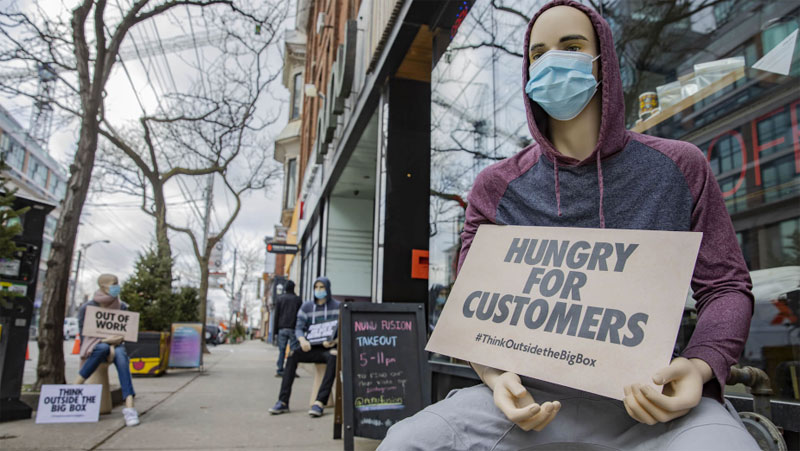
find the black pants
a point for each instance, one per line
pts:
(317, 354)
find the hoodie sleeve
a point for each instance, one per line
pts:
(481, 209)
(301, 326)
(276, 313)
(721, 281)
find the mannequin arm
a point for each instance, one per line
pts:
(514, 400)
(113, 341)
(304, 344)
(683, 383)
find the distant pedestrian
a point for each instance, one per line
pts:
(286, 307)
(313, 318)
(95, 351)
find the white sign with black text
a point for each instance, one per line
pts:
(69, 404)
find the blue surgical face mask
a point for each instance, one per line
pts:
(114, 290)
(562, 83)
(441, 300)
(320, 294)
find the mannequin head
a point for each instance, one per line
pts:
(320, 287)
(563, 28)
(568, 29)
(105, 281)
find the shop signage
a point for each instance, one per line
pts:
(745, 146)
(69, 404)
(592, 309)
(384, 376)
(339, 84)
(107, 323)
(281, 248)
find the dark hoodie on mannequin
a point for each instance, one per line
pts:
(630, 181)
(311, 312)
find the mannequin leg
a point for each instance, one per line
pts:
(122, 363)
(99, 354)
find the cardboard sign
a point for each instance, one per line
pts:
(105, 323)
(592, 309)
(69, 404)
(320, 332)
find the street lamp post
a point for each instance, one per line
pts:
(82, 251)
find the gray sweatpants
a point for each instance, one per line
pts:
(468, 420)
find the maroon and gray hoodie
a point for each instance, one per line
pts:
(630, 181)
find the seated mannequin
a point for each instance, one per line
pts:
(95, 350)
(323, 309)
(575, 111)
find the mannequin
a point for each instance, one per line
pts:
(96, 350)
(577, 138)
(586, 170)
(323, 309)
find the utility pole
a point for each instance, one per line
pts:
(206, 225)
(233, 288)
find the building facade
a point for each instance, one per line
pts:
(36, 175)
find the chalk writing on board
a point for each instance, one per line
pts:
(383, 359)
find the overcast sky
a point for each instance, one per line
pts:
(118, 218)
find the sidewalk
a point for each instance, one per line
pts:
(223, 408)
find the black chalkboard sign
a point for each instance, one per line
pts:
(384, 370)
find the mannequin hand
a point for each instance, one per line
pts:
(683, 383)
(113, 341)
(511, 397)
(329, 344)
(111, 354)
(304, 344)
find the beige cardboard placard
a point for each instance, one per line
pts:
(106, 323)
(592, 309)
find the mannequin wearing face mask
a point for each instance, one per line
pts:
(584, 169)
(322, 309)
(95, 351)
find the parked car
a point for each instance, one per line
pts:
(70, 328)
(213, 335)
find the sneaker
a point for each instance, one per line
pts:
(279, 374)
(279, 408)
(131, 416)
(315, 411)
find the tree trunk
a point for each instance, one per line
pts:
(204, 294)
(162, 239)
(50, 367)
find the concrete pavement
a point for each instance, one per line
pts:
(224, 407)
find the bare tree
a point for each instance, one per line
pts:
(246, 265)
(81, 53)
(216, 131)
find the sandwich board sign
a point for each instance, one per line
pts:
(106, 323)
(591, 309)
(69, 404)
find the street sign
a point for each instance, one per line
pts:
(281, 248)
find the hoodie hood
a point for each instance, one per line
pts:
(612, 137)
(327, 283)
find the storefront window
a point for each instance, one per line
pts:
(697, 59)
(291, 184)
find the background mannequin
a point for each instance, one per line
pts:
(97, 350)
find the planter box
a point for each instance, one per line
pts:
(150, 355)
